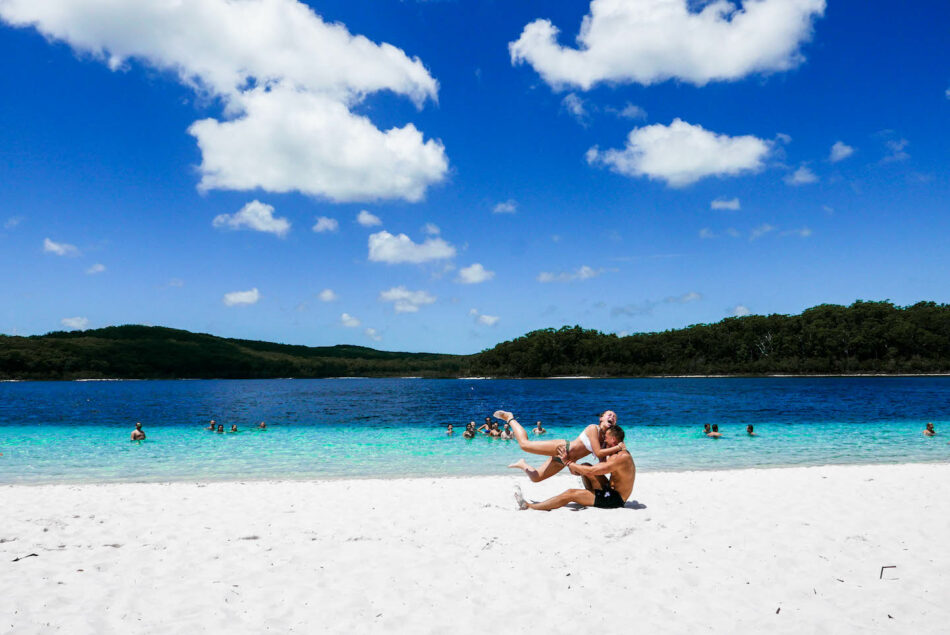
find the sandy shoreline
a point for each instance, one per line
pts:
(698, 551)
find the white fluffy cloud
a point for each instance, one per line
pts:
(506, 207)
(238, 298)
(575, 107)
(481, 318)
(96, 268)
(431, 229)
(682, 153)
(724, 203)
(366, 219)
(632, 111)
(582, 273)
(59, 249)
(395, 249)
(650, 41)
(740, 310)
(75, 323)
(373, 334)
(840, 151)
(802, 176)
(255, 216)
(328, 295)
(289, 82)
(406, 301)
(349, 321)
(474, 274)
(325, 224)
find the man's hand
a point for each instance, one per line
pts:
(572, 466)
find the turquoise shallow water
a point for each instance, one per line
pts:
(53, 432)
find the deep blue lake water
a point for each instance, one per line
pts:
(79, 431)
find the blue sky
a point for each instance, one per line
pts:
(168, 166)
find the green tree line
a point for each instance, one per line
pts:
(866, 337)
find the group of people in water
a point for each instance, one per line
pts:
(139, 435)
(491, 430)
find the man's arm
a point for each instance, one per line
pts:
(605, 467)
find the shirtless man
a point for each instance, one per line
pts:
(715, 434)
(929, 430)
(598, 492)
(138, 434)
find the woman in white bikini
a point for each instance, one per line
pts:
(590, 441)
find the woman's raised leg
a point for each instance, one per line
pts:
(544, 448)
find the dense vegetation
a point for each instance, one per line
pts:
(866, 337)
(151, 352)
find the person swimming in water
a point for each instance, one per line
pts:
(538, 429)
(715, 434)
(262, 426)
(929, 430)
(450, 429)
(211, 426)
(590, 441)
(220, 429)
(138, 434)
(469, 431)
(749, 430)
(507, 434)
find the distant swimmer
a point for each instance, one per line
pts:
(715, 432)
(449, 429)
(749, 431)
(485, 428)
(234, 427)
(506, 433)
(469, 430)
(598, 490)
(137, 434)
(538, 429)
(929, 432)
(211, 426)
(706, 428)
(220, 429)
(262, 426)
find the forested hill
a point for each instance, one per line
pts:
(866, 337)
(154, 352)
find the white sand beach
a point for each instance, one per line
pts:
(784, 550)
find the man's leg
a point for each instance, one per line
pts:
(580, 496)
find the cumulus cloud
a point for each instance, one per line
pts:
(367, 219)
(325, 224)
(682, 153)
(722, 203)
(255, 216)
(631, 111)
(488, 320)
(373, 334)
(506, 207)
(289, 82)
(59, 249)
(96, 268)
(802, 176)
(575, 107)
(395, 249)
(481, 318)
(739, 311)
(349, 321)
(651, 41)
(840, 151)
(474, 274)
(239, 298)
(327, 295)
(582, 273)
(406, 301)
(75, 323)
